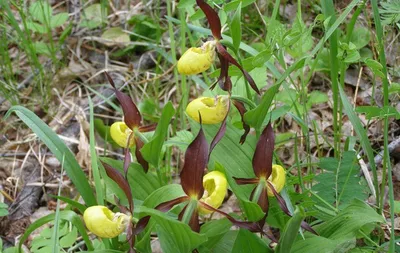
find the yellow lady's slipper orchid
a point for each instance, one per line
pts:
(212, 110)
(197, 59)
(215, 187)
(277, 179)
(120, 133)
(102, 222)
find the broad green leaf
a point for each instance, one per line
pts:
(349, 221)
(3, 210)
(42, 48)
(186, 3)
(360, 37)
(151, 151)
(69, 238)
(58, 20)
(59, 149)
(174, 236)
(236, 29)
(290, 232)
(163, 194)
(36, 27)
(64, 215)
(142, 184)
(215, 231)
(394, 88)
(115, 35)
(182, 140)
(374, 65)
(248, 242)
(261, 58)
(233, 5)
(339, 182)
(91, 16)
(316, 97)
(318, 244)
(41, 11)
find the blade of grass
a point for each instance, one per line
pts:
(329, 11)
(93, 157)
(59, 149)
(54, 237)
(386, 159)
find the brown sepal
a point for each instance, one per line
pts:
(212, 18)
(224, 53)
(130, 236)
(263, 201)
(194, 222)
(242, 110)
(117, 177)
(138, 154)
(132, 115)
(148, 128)
(221, 132)
(262, 159)
(224, 81)
(243, 181)
(196, 159)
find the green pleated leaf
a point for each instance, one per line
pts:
(290, 232)
(318, 244)
(349, 221)
(236, 28)
(339, 181)
(142, 184)
(174, 236)
(248, 242)
(161, 195)
(151, 151)
(59, 149)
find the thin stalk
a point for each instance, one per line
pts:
(184, 89)
(258, 191)
(329, 11)
(296, 158)
(189, 211)
(386, 158)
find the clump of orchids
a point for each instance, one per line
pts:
(204, 192)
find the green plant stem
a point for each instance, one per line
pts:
(191, 207)
(329, 11)
(258, 191)
(93, 156)
(184, 89)
(386, 158)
